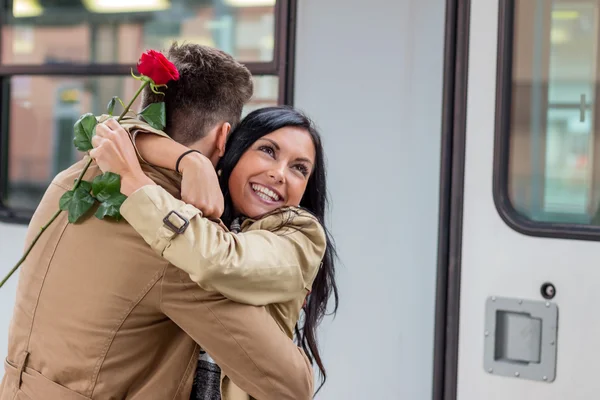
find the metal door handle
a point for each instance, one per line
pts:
(520, 338)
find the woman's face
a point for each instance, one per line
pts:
(273, 172)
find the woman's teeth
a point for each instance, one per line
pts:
(265, 193)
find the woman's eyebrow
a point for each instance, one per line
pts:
(274, 143)
(304, 159)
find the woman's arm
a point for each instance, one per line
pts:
(114, 152)
(162, 151)
(257, 267)
(199, 181)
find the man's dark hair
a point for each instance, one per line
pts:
(212, 88)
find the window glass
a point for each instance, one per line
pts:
(41, 127)
(117, 31)
(554, 162)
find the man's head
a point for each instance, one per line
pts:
(206, 101)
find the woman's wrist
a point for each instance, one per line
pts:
(159, 151)
(191, 161)
(133, 182)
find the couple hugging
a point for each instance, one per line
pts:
(198, 293)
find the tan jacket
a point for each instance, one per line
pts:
(100, 315)
(272, 262)
(259, 267)
(262, 265)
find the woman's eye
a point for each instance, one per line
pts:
(302, 168)
(267, 149)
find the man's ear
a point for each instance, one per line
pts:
(221, 139)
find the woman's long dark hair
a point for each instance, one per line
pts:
(256, 125)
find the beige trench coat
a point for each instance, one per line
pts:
(100, 315)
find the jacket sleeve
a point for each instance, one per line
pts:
(266, 264)
(135, 127)
(244, 340)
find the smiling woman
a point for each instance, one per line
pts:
(273, 173)
(278, 251)
(278, 149)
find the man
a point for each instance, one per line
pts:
(99, 315)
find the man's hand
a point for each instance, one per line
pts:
(114, 152)
(200, 185)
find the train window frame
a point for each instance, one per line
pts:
(502, 146)
(281, 66)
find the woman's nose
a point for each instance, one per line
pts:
(277, 175)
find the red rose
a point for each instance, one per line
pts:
(155, 66)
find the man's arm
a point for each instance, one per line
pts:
(244, 340)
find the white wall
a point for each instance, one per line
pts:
(12, 238)
(370, 74)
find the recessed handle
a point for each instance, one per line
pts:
(520, 338)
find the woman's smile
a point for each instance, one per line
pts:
(266, 193)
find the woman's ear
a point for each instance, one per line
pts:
(221, 139)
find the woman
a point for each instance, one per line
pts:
(271, 174)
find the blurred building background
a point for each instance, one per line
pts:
(105, 35)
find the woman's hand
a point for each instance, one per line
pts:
(114, 152)
(200, 185)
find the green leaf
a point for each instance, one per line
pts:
(111, 105)
(155, 115)
(85, 129)
(65, 200)
(105, 185)
(111, 207)
(110, 108)
(81, 202)
(87, 186)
